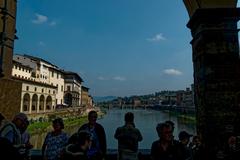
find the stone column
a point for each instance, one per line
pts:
(30, 105)
(38, 103)
(7, 36)
(21, 106)
(44, 104)
(215, 54)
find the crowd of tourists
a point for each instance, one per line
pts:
(89, 142)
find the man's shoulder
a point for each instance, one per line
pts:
(99, 126)
(155, 143)
(9, 126)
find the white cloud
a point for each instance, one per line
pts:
(101, 78)
(173, 72)
(40, 19)
(119, 78)
(41, 43)
(157, 37)
(53, 23)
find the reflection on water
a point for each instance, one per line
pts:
(145, 121)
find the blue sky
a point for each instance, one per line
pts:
(119, 47)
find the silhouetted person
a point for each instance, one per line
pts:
(55, 141)
(128, 137)
(12, 132)
(197, 148)
(99, 145)
(184, 149)
(77, 150)
(164, 148)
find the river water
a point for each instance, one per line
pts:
(145, 121)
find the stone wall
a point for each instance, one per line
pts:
(10, 97)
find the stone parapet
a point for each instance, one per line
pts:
(10, 97)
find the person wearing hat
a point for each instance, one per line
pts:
(12, 131)
(184, 149)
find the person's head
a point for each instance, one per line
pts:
(21, 121)
(171, 123)
(164, 131)
(184, 137)
(92, 117)
(129, 117)
(58, 124)
(84, 139)
(196, 140)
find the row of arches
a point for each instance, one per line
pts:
(72, 99)
(34, 103)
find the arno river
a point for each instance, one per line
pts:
(145, 121)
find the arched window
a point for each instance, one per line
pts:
(49, 103)
(34, 102)
(41, 103)
(26, 102)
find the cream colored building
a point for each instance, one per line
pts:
(45, 86)
(36, 96)
(43, 72)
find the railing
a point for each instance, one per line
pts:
(144, 154)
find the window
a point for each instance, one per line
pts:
(61, 101)
(52, 74)
(62, 88)
(42, 90)
(27, 88)
(57, 75)
(35, 89)
(49, 91)
(15, 67)
(53, 92)
(68, 88)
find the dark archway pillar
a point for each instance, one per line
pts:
(215, 54)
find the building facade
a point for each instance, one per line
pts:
(73, 89)
(44, 86)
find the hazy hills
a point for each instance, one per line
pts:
(103, 99)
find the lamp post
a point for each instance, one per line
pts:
(215, 54)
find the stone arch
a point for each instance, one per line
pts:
(68, 99)
(34, 102)
(41, 102)
(26, 102)
(49, 102)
